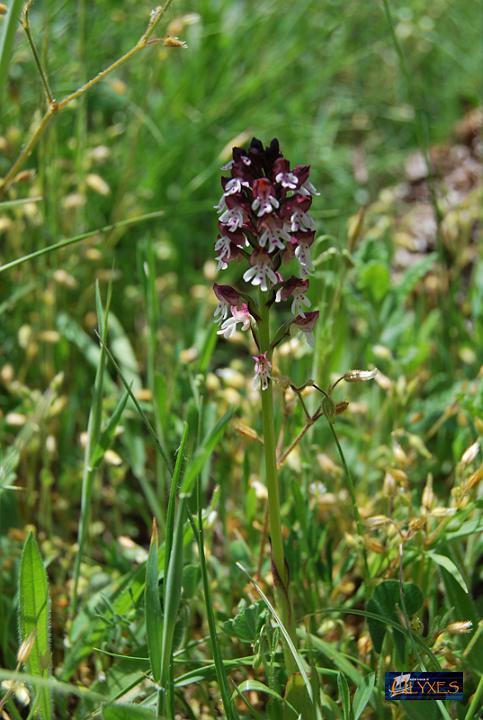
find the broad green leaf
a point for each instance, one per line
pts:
(173, 490)
(297, 703)
(172, 598)
(469, 527)
(245, 624)
(385, 601)
(34, 618)
(449, 565)
(363, 695)
(374, 277)
(152, 604)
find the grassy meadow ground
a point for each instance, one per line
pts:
(119, 404)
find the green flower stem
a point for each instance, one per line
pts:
(281, 579)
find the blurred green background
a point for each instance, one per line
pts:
(325, 78)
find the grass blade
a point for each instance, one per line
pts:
(475, 701)
(203, 453)
(127, 712)
(298, 659)
(7, 204)
(172, 499)
(152, 604)
(363, 695)
(344, 695)
(34, 618)
(172, 597)
(221, 676)
(78, 238)
(10, 24)
(93, 436)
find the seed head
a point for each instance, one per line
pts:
(25, 648)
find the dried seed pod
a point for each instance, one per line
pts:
(360, 375)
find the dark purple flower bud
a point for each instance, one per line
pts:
(272, 153)
(227, 294)
(306, 325)
(241, 156)
(260, 160)
(302, 173)
(237, 237)
(228, 297)
(242, 166)
(290, 287)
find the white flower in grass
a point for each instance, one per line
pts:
(287, 180)
(263, 371)
(295, 288)
(233, 218)
(303, 255)
(307, 189)
(227, 296)
(306, 325)
(261, 272)
(301, 220)
(235, 185)
(223, 250)
(239, 315)
(273, 232)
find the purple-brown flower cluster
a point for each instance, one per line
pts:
(264, 218)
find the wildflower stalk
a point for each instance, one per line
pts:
(279, 567)
(264, 219)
